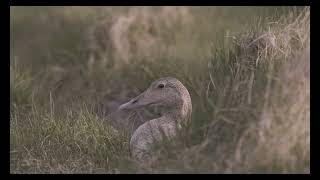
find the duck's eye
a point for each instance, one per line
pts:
(161, 86)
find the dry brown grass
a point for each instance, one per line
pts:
(250, 87)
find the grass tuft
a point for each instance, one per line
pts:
(247, 70)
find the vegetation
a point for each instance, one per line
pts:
(247, 70)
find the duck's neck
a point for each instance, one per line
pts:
(181, 114)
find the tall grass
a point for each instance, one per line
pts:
(248, 73)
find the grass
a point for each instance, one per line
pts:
(247, 70)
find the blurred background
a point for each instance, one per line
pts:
(98, 52)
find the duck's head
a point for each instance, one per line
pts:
(168, 94)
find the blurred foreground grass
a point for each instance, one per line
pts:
(247, 70)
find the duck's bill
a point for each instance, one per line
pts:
(133, 103)
(125, 106)
(137, 102)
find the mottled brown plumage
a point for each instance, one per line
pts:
(172, 98)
